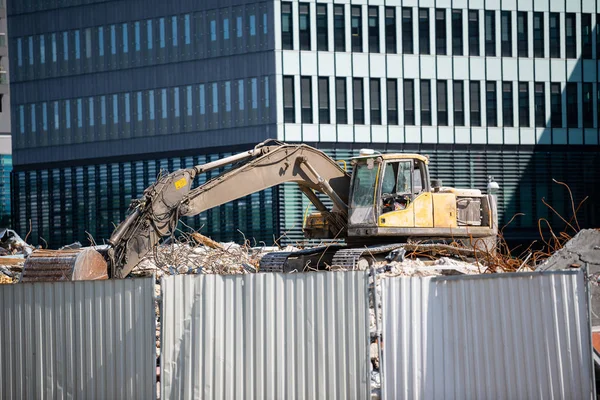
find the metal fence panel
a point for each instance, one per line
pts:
(494, 336)
(265, 336)
(93, 339)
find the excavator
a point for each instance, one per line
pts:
(386, 202)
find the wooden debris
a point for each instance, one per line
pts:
(59, 265)
(206, 241)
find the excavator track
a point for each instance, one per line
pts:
(348, 258)
(314, 258)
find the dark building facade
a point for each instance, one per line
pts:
(107, 94)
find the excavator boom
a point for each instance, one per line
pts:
(271, 163)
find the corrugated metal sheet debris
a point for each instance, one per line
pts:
(265, 336)
(495, 336)
(92, 339)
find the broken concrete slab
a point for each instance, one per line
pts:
(583, 249)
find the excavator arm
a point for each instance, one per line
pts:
(270, 163)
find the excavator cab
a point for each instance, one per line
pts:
(391, 195)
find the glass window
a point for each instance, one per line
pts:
(304, 26)
(140, 107)
(101, 41)
(88, 43)
(442, 103)
(176, 101)
(359, 111)
(390, 30)
(174, 30)
(459, 103)
(56, 116)
(572, 119)
(324, 117)
(392, 102)
(457, 32)
(226, 28)
(556, 105)
(202, 101)
(242, 99)
(522, 34)
(265, 25)
(339, 28)
(115, 102)
(215, 98)
(506, 39)
(213, 30)
(161, 33)
(227, 96)
(356, 26)
(113, 39)
(80, 113)
(254, 85)
(507, 104)
(149, 33)
(267, 92)
(523, 104)
(341, 102)
(91, 111)
(163, 103)
(137, 35)
(289, 113)
(103, 109)
(475, 103)
(33, 122)
(538, 34)
(22, 119)
(424, 31)
(425, 102)
(409, 102)
(407, 31)
(127, 108)
(42, 50)
(125, 38)
(373, 22)
(65, 46)
(540, 104)
(554, 35)
(598, 44)
(31, 48)
(189, 103)
(473, 33)
(186, 28)
(322, 37)
(375, 99)
(586, 36)
(588, 105)
(238, 25)
(68, 114)
(252, 25)
(77, 45)
(570, 40)
(20, 52)
(440, 31)
(44, 117)
(490, 33)
(491, 104)
(54, 56)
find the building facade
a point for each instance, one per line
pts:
(5, 131)
(107, 94)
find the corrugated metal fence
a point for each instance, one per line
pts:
(494, 336)
(92, 339)
(265, 336)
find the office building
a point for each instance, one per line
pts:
(105, 94)
(5, 134)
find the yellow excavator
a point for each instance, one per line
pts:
(387, 202)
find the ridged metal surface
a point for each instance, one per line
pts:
(265, 336)
(84, 340)
(508, 336)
